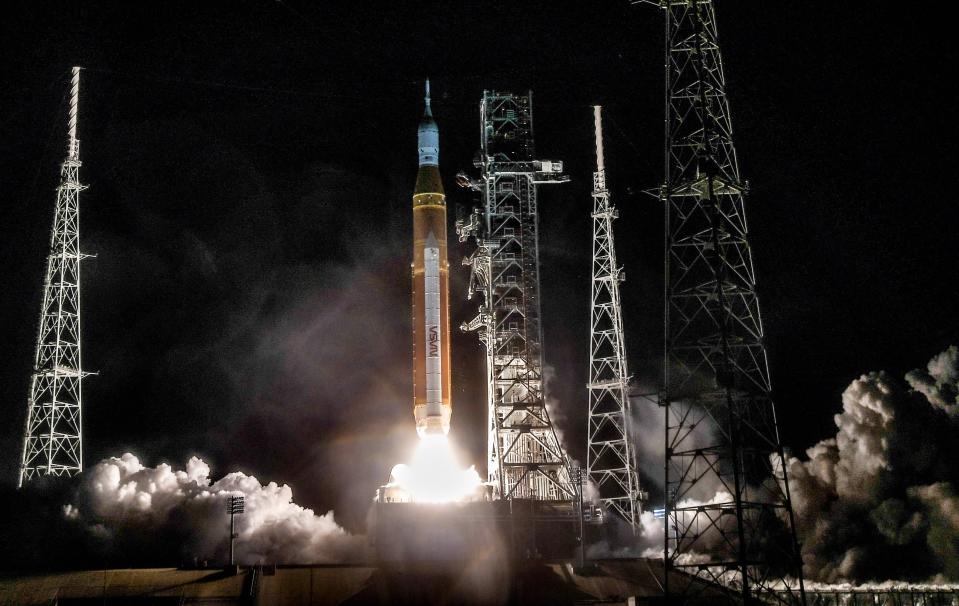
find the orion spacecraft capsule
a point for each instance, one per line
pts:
(431, 321)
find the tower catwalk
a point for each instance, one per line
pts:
(52, 442)
(525, 460)
(729, 516)
(610, 458)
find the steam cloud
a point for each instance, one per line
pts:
(122, 497)
(879, 501)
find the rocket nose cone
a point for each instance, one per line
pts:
(428, 135)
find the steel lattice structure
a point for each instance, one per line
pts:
(901, 595)
(728, 510)
(52, 443)
(610, 457)
(525, 459)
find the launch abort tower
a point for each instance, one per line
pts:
(525, 460)
(728, 512)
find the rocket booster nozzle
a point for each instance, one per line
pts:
(433, 426)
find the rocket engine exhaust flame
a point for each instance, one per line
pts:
(434, 475)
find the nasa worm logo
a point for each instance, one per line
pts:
(434, 341)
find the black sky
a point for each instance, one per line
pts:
(251, 165)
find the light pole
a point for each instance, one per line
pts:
(234, 506)
(577, 473)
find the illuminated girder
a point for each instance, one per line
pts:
(610, 456)
(728, 509)
(52, 442)
(525, 459)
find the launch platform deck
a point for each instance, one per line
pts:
(532, 582)
(515, 530)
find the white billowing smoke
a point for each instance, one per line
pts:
(120, 496)
(646, 543)
(557, 415)
(646, 431)
(939, 382)
(879, 500)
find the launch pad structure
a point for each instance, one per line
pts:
(524, 456)
(513, 529)
(729, 516)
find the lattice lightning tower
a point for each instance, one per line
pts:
(610, 457)
(525, 460)
(729, 516)
(52, 442)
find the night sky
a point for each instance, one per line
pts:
(251, 164)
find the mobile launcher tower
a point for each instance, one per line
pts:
(525, 460)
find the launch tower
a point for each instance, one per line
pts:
(52, 442)
(728, 510)
(525, 459)
(610, 457)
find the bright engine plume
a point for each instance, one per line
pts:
(434, 475)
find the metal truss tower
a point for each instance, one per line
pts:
(728, 510)
(525, 459)
(610, 457)
(52, 442)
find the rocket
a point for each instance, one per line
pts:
(431, 321)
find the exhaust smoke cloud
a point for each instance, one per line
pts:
(879, 501)
(121, 498)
